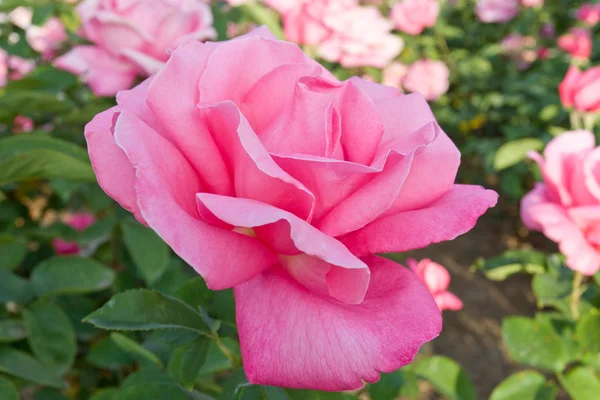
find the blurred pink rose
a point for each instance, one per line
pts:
(22, 124)
(547, 30)
(131, 38)
(589, 13)
(497, 10)
(578, 43)
(46, 39)
(341, 30)
(78, 221)
(428, 77)
(566, 206)
(581, 90)
(437, 279)
(520, 49)
(532, 3)
(267, 174)
(21, 17)
(413, 16)
(393, 74)
(13, 67)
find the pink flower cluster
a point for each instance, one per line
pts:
(268, 175)
(581, 90)
(566, 205)
(131, 38)
(428, 77)
(521, 49)
(341, 30)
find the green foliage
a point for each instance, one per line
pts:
(447, 376)
(525, 385)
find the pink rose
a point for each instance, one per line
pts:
(566, 206)
(22, 124)
(437, 279)
(589, 13)
(78, 221)
(532, 3)
(578, 43)
(428, 77)
(490, 11)
(341, 30)
(413, 16)
(268, 175)
(581, 90)
(21, 17)
(13, 67)
(131, 38)
(46, 39)
(393, 74)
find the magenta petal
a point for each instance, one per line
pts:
(332, 346)
(169, 207)
(448, 301)
(113, 170)
(451, 215)
(307, 239)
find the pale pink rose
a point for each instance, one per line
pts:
(393, 74)
(491, 11)
(48, 38)
(437, 279)
(581, 90)
(532, 3)
(78, 221)
(131, 38)
(428, 77)
(413, 16)
(589, 13)
(520, 49)
(13, 67)
(566, 206)
(21, 17)
(22, 124)
(267, 174)
(342, 31)
(578, 43)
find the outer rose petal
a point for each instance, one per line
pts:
(113, 170)
(105, 74)
(293, 337)
(168, 205)
(307, 239)
(567, 86)
(539, 194)
(451, 215)
(448, 301)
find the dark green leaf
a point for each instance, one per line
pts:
(195, 293)
(14, 288)
(134, 348)
(390, 385)
(106, 354)
(512, 262)
(446, 376)
(149, 252)
(149, 374)
(315, 395)
(12, 252)
(105, 394)
(588, 332)
(216, 360)
(524, 385)
(8, 391)
(581, 383)
(70, 275)
(50, 335)
(49, 394)
(154, 391)
(187, 361)
(12, 330)
(17, 363)
(19, 144)
(145, 309)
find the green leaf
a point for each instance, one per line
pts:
(12, 330)
(187, 362)
(12, 252)
(549, 289)
(105, 394)
(524, 385)
(44, 78)
(145, 375)
(20, 364)
(49, 394)
(315, 395)
(149, 252)
(154, 391)
(145, 309)
(446, 376)
(22, 143)
(588, 332)
(216, 361)
(106, 354)
(14, 288)
(134, 348)
(50, 335)
(535, 343)
(195, 293)
(515, 151)
(512, 262)
(8, 391)
(581, 383)
(264, 16)
(390, 385)
(70, 275)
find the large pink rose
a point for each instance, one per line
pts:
(413, 16)
(577, 42)
(492, 11)
(581, 90)
(566, 206)
(341, 30)
(428, 77)
(437, 279)
(268, 175)
(131, 38)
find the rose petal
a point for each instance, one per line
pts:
(448, 301)
(333, 346)
(169, 207)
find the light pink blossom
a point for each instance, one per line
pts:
(493, 11)
(437, 279)
(532, 3)
(413, 16)
(428, 77)
(581, 90)
(577, 42)
(393, 74)
(46, 39)
(22, 124)
(589, 13)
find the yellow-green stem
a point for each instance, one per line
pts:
(576, 295)
(235, 361)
